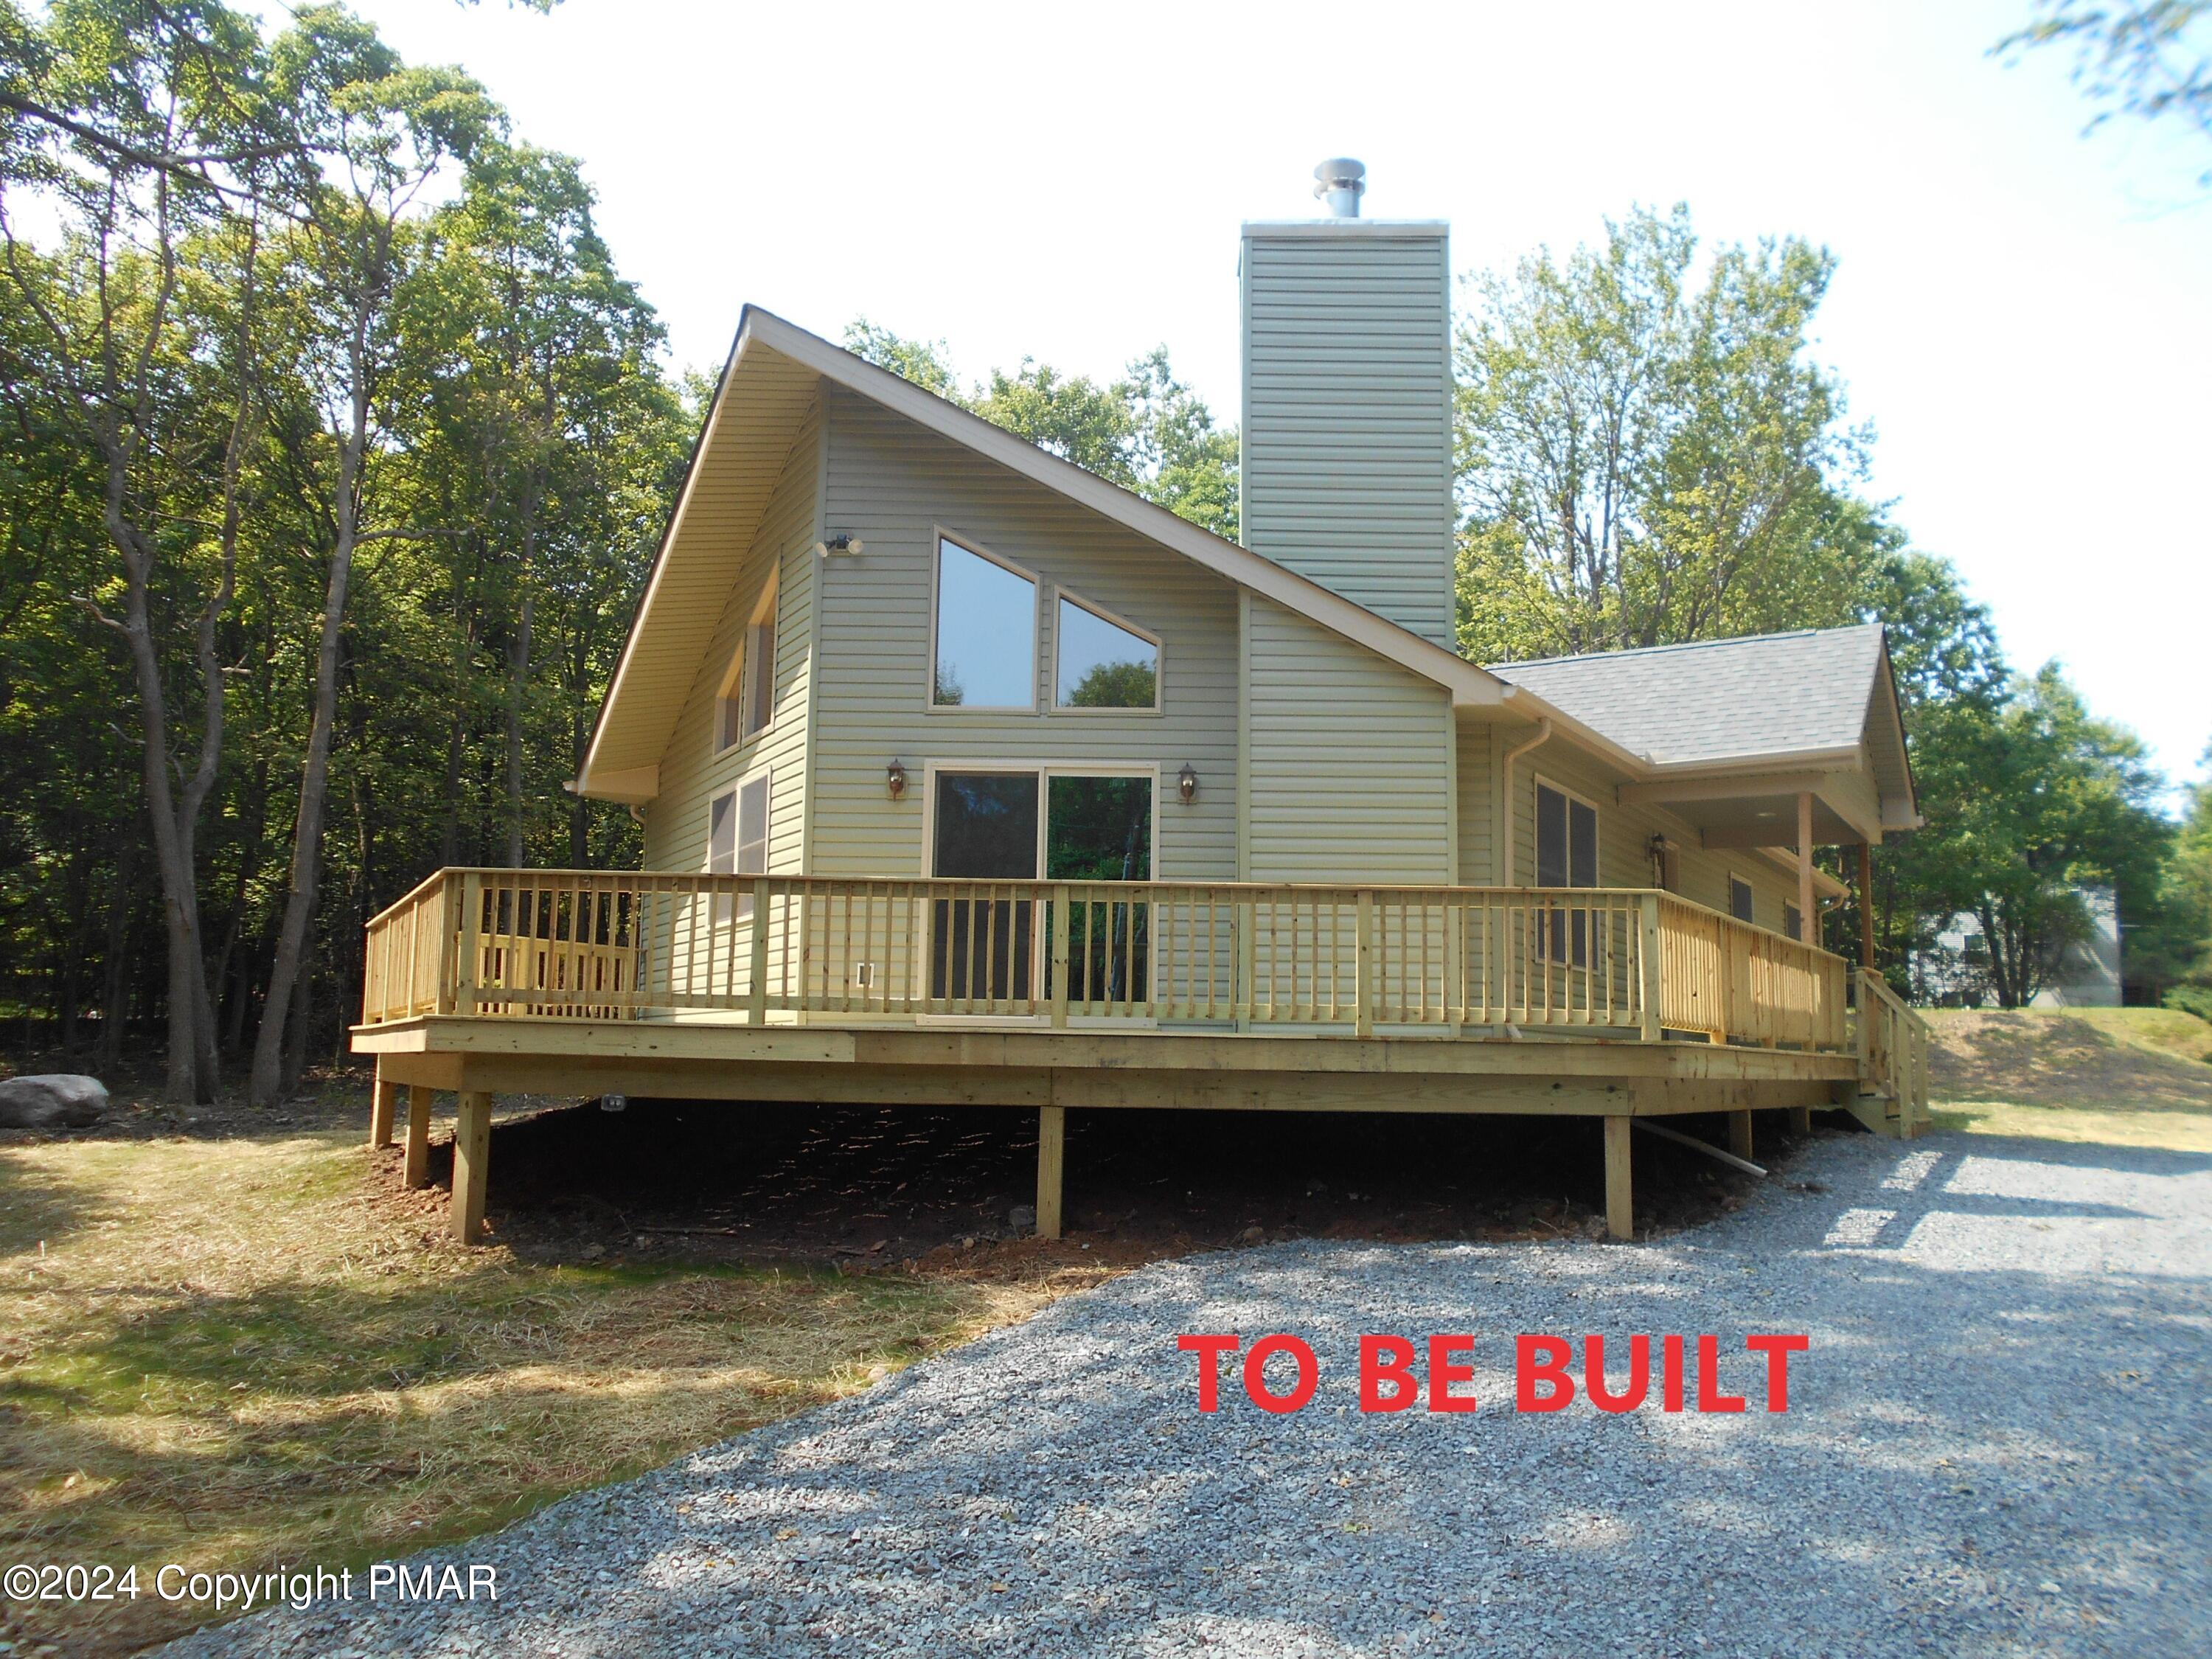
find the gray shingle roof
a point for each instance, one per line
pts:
(1769, 694)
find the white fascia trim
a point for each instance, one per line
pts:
(1470, 685)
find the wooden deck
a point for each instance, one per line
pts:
(1044, 996)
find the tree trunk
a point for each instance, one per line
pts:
(268, 1084)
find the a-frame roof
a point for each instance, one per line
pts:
(773, 375)
(773, 372)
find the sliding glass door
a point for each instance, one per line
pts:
(1013, 826)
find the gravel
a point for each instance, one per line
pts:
(1996, 1444)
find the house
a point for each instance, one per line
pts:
(1954, 972)
(966, 776)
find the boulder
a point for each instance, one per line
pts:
(56, 1101)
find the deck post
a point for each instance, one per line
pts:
(1062, 925)
(471, 1151)
(470, 944)
(756, 990)
(381, 1110)
(1619, 1193)
(1651, 968)
(1052, 1148)
(1363, 971)
(1738, 1126)
(417, 1171)
(1801, 1119)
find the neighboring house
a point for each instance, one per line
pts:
(1955, 971)
(892, 663)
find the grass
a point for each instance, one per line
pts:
(238, 1353)
(2125, 1077)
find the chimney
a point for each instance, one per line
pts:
(1348, 449)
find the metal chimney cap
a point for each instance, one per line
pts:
(1340, 181)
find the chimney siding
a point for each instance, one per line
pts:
(1347, 444)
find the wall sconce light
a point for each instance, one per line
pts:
(1187, 782)
(895, 776)
(838, 545)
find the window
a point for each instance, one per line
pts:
(745, 705)
(1793, 922)
(1103, 665)
(737, 839)
(1014, 826)
(1739, 898)
(986, 633)
(1566, 856)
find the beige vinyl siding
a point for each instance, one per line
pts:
(691, 774)
(1351, 760)
(1625, 836)
(1478, 750)
(1347, 460)
(893, 485)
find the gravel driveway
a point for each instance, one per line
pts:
(1997, 1444)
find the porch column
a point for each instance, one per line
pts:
(1052, 1146)
(1619, 1196)
(1812, 917)
(381, 1110)
(1866, 904)
(472, 1151)
(417, 1171)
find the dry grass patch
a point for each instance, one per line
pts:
(2121, 1077)
(239, 1353)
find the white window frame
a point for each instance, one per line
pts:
(1536, 832)
(1159, 659)
(939, 536)
(749, 680)
(764, 781)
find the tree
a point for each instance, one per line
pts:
(138, 121)
(1147, 431)
(379, 133)
(1643, 461)
(2058, 799)
(2151, 60)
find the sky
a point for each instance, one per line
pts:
(2020, 311)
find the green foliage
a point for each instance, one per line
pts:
(1643, 461)
(1148, 432)
(2151, 60)
(1116, 685)
(414, 275)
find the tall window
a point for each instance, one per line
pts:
(1566, 856)
(1103, 665)
(1793, 922)
(987, 632)
(746, 703)
(1739, 898)
(737, 839)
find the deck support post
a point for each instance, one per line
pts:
(417, 1171)
(1052, 1148)
(471, 1151)
(1738, 1126)
(1619, 1191)
(1801, 1119)
(381, 1112)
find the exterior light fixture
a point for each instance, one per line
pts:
(894, 777)
(1187, 782)
(839, 544)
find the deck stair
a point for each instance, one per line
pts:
(1891, 1096)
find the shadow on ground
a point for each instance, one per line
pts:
(863, 1186)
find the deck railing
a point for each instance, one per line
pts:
(1618, 962)
(1893, 1049)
